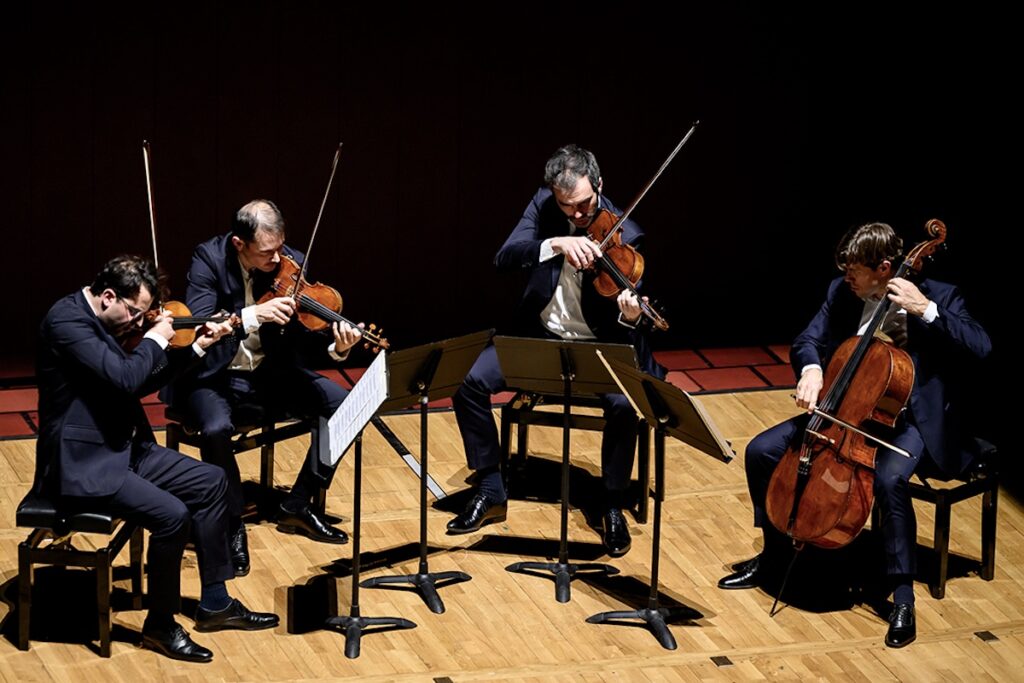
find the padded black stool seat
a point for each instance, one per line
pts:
(520, 412)
(40, 514)
(248, 418)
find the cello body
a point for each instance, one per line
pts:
(822, 489)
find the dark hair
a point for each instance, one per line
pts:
(869, 245)
(126, 276)
(259, 214)
(567, 165)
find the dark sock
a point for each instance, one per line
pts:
(302, 490)
(490, 484)
(294, 503)
(234, 524)
(903, 588)
(214, 597)
(616, 499)
(160, 621)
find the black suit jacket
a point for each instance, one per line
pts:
(90, 415)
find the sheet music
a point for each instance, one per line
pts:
(357, 409)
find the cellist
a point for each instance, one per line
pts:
(931, 322)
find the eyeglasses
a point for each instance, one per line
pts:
(135, 312)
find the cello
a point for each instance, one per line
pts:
(822, 489)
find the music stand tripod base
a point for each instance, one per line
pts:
(545, 365)
(428, 372)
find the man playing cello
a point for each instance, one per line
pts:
(930, 321)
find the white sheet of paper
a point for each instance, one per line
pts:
(357, 409)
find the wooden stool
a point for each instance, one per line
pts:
(981, 478)
(40, 514)
(520, 412)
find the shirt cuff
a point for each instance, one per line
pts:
(199, 351)
(547, 252)
(811, 366)
(626, 323)
(335, 355)
(931, 313)
(249, 322)
(157, 338)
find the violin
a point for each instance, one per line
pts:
(318, 304)
(620, 265)
(823, 488)
(186, 325)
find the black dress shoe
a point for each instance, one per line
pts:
(175, 643)
(236, 615)
(746, 575)
(309, 524)
(239, 546)
(616, 533)
(902, 625)
(481, 510)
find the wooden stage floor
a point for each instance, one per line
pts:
(508, 627)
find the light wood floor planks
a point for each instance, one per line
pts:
(508, 627)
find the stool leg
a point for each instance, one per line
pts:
(103, 584)
(135, 548)
(267, 466)
(506, 442)
(523, 439)
(942, 515)
(989, 507)
(173, 437)
(24, 593)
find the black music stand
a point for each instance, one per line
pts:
(354, 624)
(552, 366)
(670, 410)
(342, 429)
(424, 373)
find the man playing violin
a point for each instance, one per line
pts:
(96, 450)
(551, 242)
(930, 321)
(266, 365)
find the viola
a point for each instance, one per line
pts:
(620, 265)
(318, 304)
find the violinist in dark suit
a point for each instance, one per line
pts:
(96, 450)
(931, 322)
(267, 365)
(551, 243)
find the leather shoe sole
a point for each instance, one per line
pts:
(308, 533)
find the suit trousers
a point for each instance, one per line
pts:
(472, 404)
(175, 498)
(293, 391)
